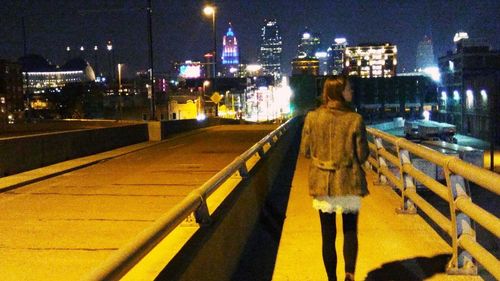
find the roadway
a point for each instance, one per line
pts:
(63, 227)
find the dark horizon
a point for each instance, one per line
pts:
(181, 31)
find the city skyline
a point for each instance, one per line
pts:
(182, 32)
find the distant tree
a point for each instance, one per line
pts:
(81, 100)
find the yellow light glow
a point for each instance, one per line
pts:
(209, 10)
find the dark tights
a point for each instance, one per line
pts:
(328, 231)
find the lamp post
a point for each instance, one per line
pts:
(109, 47)
(210, 11)
(95, 60)
(120, 65)
(206, 84)
(150, 41)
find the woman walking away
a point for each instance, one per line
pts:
(334, 137)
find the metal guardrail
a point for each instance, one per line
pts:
(462, 210)
(117, 265)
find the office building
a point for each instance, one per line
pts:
(230, 53)
(469, 95)
(11, 89)
(336, 53)
(371, 60)
(271, 48)
(425, 55)
(305, 66)
(309, 44)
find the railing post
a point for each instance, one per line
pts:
(261, 152)
(243, 170)
(381, 179)
(202, 214)
(407, 206)
(461, 262)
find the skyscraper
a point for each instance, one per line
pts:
(309, 45)
(230, 53)
(425, 55)
(271, 48)
(335, 55)
(371, 60)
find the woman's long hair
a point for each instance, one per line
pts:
(332, 90)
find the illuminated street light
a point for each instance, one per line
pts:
(109, 46)
(95, 48)
(68, 49)
(210, 11)
(82, 48)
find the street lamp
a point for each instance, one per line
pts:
(201, 113)
(210, 11)
(120, 100)
(95, 60)
(111, 56)
(151, 60)
(109, 46)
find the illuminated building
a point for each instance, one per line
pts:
(44, 82)
(322, 57)
(209, 61)
(271, 48)
(305, 66)
(335, 55)
(371, 60)
(309, 45)
(39, 74)
(11, 89)
(230, 53)
(425, 55)
(376, 99)
(469, 95)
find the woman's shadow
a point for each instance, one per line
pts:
(415, 269)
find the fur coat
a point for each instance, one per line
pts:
(335, 138)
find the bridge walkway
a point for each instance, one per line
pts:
(391, 246)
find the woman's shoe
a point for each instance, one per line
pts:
(349, 276)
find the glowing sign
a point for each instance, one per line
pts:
(190, 70)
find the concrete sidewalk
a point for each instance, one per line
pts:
(391, 246)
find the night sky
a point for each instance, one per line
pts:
(182, 32)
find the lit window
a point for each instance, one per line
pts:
(470, 99)
(484, 95)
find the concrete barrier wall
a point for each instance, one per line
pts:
(61, 125)
(177, 126)
(213, 253)
(20, 154)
